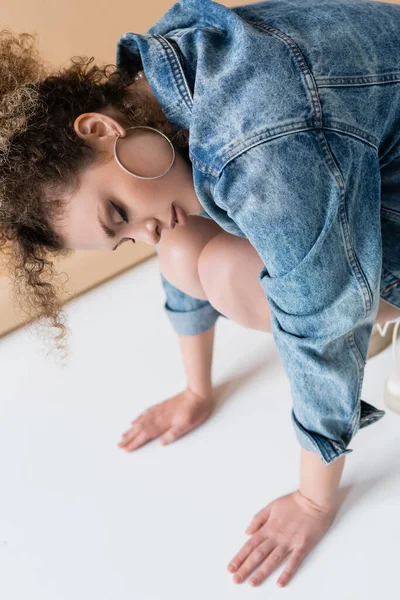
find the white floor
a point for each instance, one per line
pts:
(81, 519)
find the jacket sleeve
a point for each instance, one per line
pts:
(187, 315)
(288, 197)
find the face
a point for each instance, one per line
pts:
(128, 207)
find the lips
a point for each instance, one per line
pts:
(181, 215)
(174, 217)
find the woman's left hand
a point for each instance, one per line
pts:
(290, 524)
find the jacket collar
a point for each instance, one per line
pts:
(163, 71)
(159, 53)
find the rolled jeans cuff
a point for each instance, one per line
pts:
(192, 322)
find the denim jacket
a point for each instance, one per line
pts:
(293, 108)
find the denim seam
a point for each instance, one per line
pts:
(176, 69)
(362, 79)
(351, 131)
(307, 74)
(267, 135)
(367, 297)
(355, 421)
(244, 145)
(350, 252)
(202, 167)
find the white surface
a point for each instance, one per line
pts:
(82, 519)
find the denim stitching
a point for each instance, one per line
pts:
(359, 134)
(359, 80)
(308, 77)
(351, 255)
(355, 421)
(176, 69)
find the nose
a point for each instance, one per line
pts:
(154, 230)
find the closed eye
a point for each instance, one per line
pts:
(120, 211)
(124, 217)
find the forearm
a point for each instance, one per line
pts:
(319, 482)
(197, 353)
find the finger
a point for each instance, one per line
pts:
(292, 565)
(172, 434)
(247, 549)
(137, 419)
(259, 519)
(133, 429)
(254, 559)
(273, 560)
(142, 438)
(149, 411)
(129, 435)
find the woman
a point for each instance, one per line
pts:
(281, 194)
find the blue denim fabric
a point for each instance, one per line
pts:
(293, 109)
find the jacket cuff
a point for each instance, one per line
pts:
(330, 450)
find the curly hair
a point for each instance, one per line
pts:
(42, 158)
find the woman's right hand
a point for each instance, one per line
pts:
(170, 419)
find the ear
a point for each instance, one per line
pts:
(94, 125)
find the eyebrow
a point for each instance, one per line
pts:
(110, 233)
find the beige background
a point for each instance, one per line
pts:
(66, 29)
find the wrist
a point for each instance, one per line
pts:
(319, 483)
(203, 391)
(310, 504)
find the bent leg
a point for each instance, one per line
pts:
(229, 268)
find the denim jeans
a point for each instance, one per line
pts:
(293, 109)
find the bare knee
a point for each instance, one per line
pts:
(229, 268)
(179, 251)
(215, 269)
